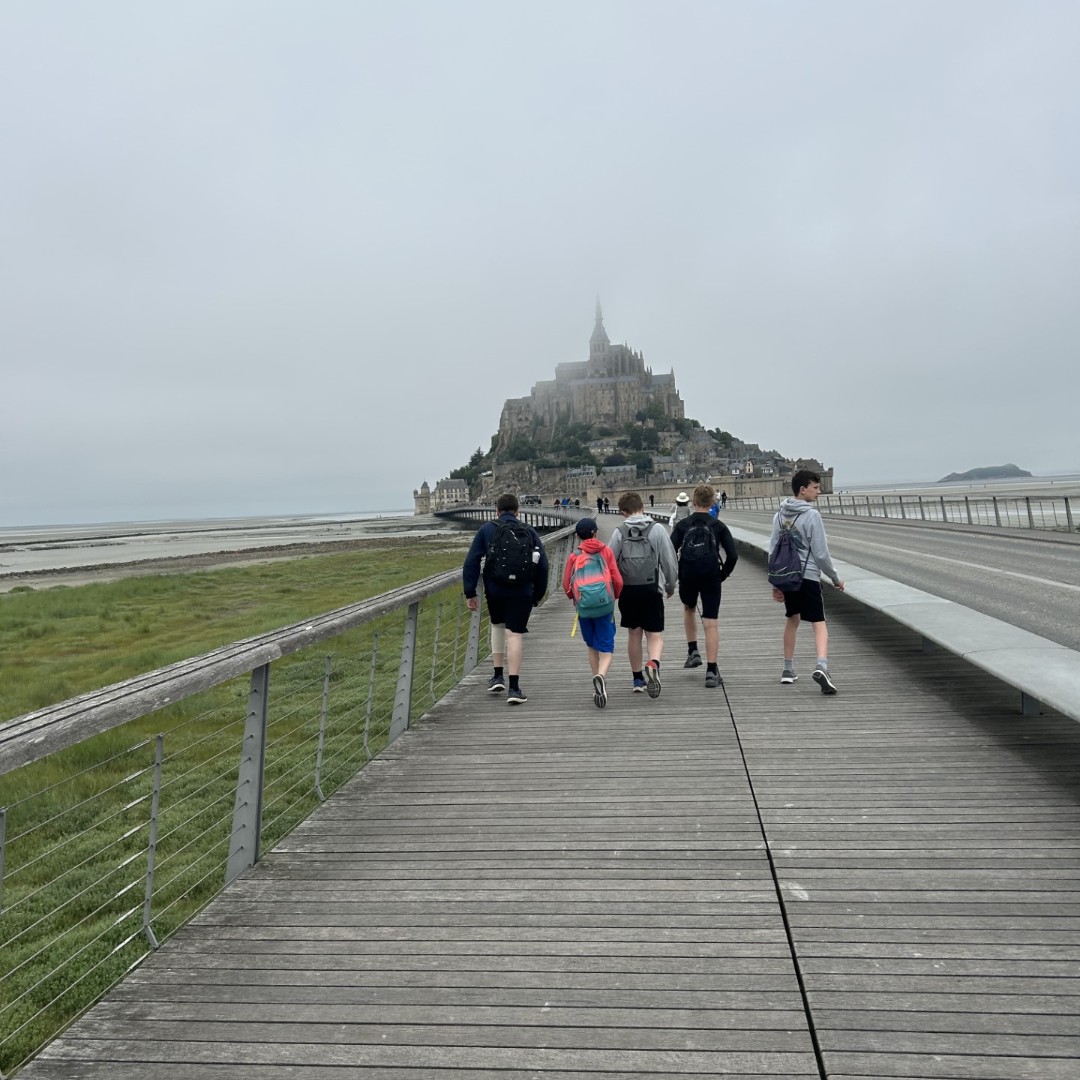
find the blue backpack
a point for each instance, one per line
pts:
(786, 565)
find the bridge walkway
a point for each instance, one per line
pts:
(753, 882)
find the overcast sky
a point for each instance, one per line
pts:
(267, 257)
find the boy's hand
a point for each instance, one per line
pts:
(839, 585)
(472, 602)
(778, 596)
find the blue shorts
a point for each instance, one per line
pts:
(599, 634)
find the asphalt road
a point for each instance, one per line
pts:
(1031, 581)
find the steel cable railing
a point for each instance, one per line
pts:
(151, 774)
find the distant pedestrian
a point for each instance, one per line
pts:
(723, 500)
(593, 582)
(515, 572)
(806, 603)
(699, 540)
(646, 561)
(680, 510)
(599, 504)
(652, 501)
(607, 505)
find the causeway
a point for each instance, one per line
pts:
(757, 881)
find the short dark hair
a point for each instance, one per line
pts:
(803, 478)
(507, 504)
(630, 503)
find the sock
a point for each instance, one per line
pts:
(712, 668)
(691, 647)
(498, 672)
(789, 663)
(638, 674)
(823, 663)
(514, 683)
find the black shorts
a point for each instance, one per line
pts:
(510, 611)
(708, 588)
(806, 602)
(641, 607)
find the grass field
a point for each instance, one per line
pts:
(76, 904)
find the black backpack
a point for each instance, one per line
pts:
(699, 556)
(510, 554)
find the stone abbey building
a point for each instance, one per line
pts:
(611, 387)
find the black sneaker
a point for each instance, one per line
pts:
(496, 684)
(788, 676)
(516, 696)
(821, 677)
(713, 680)
(693, 660)
(652, 679)
(599, 691)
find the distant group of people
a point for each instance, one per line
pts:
(643, 566)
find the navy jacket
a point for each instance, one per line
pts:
(470, 572)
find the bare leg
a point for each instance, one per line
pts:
(513, 653)
(594, 661)
(712, 640)
(655, 643)
(603, 662)
(689, 621)
(791, 628)
(633, 648)
(821, 638)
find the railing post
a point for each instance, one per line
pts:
(944, 516)
(472, 645)
(322, 729)
(151, 842)
(3, 841)
(399, 718)
(1031, 520)
(435, 650)
(1068, 514)
(967, 508)
(370, 694)
(884, 507)
(922, 509)
(247, 810)
(997, 511)
(903, 512)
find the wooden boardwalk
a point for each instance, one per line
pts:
(752, 882)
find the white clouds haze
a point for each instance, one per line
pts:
(264, 257)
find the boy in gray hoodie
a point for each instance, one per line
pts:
(646, 561)
(806, 605)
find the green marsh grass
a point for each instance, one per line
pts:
(78, 822)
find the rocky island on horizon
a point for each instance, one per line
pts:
(987, 472)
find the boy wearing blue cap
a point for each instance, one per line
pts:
(593, 582)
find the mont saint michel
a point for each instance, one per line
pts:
(604, 425)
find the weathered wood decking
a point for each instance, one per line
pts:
(885, 883)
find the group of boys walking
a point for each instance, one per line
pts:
(638, 571)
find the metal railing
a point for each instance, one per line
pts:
(1004, 511)
(126, 810)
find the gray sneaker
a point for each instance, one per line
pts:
(821, 677)
(713, 680)
(652, 678)
(516, 696)
(788, 676)
(599, 691)
(693, 660)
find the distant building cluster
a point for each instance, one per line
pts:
(447, 493)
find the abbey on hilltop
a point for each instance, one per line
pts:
(605, 425)
(610, 388)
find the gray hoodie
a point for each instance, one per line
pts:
(809, 531)
(660, 543)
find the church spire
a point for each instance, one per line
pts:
(599, 340)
